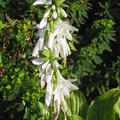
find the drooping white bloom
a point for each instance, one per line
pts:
(64, 47)
(37, 61)
(64, 29)
(40, 44)
(38, 47)
(58, 35)
(49, 93)
(43, 22)
(65, 85)
(45, 75)
(59, 101)
(38, 2)
(58, 39)
(49, 89)
(63, 88)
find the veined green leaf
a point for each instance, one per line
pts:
(102, 108)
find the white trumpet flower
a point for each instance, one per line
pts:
(64, 48)
(40, 44)
(64, 29)
(45, 75)
(63, 88)
(58, 39)
(43, 22)
(65, 85)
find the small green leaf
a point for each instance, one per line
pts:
(46, 53)
(2, 25)
(72, 46)
(8, 87)
(51, 25)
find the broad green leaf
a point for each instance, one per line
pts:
(75, 117)
(77, 104)
(117, 107)
(102, 108)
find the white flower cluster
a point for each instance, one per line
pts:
(55, 41)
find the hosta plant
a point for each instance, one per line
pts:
(52, 48)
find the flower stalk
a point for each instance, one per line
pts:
(54, 35)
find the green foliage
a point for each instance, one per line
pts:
(78, 11)
(92, 51)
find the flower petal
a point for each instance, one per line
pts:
(42, 81)
(42, 23)
(46, 15)
(45, 65)
(68, 35)
(37, 2)
(69, 85)
(40, 43)
(38, 47)
(65, 50)
(42, 71)
(49, 93)
(64, 14)
(55, 64)
(37, 61)
(57, 101)
(51, 41)
(48, 68)
(49, 76)
(66, 91)
(54, 15)
(69, 27)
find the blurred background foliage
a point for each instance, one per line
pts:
(95, 62)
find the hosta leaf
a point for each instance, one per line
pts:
(102, 108)
(77, 105)
(117, 107)
(75, 117)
